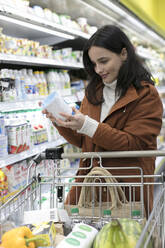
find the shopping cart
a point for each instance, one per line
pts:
(32, 196)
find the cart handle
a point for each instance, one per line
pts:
(116, 154)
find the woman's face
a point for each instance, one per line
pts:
(106, 63)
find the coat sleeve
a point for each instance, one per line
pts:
(140, 130)
(70, 135)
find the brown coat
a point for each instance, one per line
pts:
(133, 123)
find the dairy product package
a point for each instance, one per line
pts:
(82, 236)
(55, 104)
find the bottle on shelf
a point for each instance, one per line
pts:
(34, 83)
(18, 84)
(8, 91)
(67, 79)
(44, 83)
(62, 80)
(28, 85)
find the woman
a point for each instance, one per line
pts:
(121, 110)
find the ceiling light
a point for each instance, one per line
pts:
(137, 23)
(114, 7)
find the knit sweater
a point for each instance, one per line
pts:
(90, 125)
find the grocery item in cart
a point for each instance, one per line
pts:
(18, 237)
(81, 236)
(23, 237)
(122, 233)
(55, 104)
(45, 231)
(38, 216)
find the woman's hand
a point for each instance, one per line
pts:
(74, 122)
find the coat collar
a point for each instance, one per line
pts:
(130, 96)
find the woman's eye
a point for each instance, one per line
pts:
(104, 61)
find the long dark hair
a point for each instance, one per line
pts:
(132, 70)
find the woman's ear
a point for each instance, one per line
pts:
(123, 54)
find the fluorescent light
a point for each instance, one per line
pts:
(114, 7)
(36, 27)
(137, 23)
(153, 34)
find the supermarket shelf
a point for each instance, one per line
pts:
(34, 103)
(14, 158)
(147, 55)
(39, 27)
(34, 61)
(19, 105)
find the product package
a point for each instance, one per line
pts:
(46, 231)
(55, 104)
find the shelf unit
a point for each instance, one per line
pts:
(13, 158)
(24, 24)
(37, 62)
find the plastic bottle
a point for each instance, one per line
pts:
(57, 80)
(18, 85)
(44, 83)
(51, 81)
(12, 91)
(62, 80)
(8, 90)
(29, 86)
(34, 83)
(29, 135)
(67, 79)
(23, 91)
(39, 86)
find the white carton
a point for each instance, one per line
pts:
(82, 236)
(55, 104)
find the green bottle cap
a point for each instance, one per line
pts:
(136, 213)
(107, 212)
(74, 210)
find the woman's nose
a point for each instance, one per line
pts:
(98, 69)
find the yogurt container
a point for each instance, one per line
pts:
(55, 104)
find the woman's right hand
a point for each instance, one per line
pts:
(48, 114)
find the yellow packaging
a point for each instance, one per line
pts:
(46, 231)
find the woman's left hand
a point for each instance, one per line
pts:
(75, 122)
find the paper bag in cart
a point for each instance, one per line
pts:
(89, 205)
